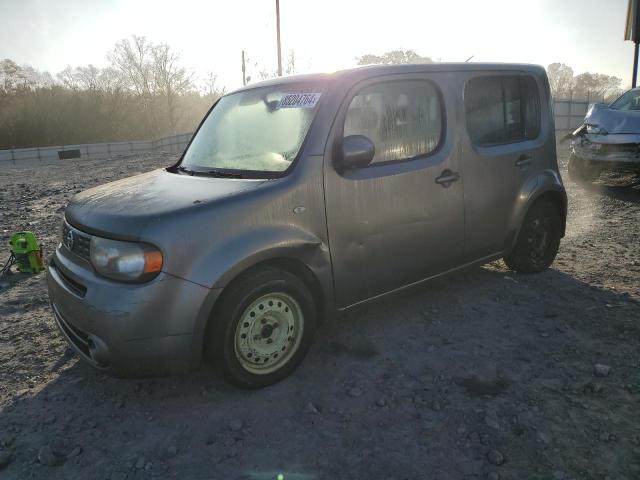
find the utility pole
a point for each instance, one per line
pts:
(278, 30)
(634, 82)
(244, 70)
(632, 32)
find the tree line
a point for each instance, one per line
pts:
(143, 93)
(562, 80)
(585, 86)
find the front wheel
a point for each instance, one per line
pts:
(538, 240)
(263, 328)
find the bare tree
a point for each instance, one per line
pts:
(14, 76)
(561, 80)
(80, 78)
(290, 69)
(171, 80)
(210, 83)
(265, 74)
(133, 59)
(10, 75)
(596, 85)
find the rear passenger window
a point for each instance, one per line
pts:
(500, 110)
(403, 119)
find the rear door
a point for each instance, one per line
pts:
(400, 219)
(500, 151)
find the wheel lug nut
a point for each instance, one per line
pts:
(269, 340)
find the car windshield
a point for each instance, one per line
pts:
(257, 130)
(628, 101)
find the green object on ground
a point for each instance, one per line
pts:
(27, 252)
(280, 477)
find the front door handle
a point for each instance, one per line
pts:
(523, 160)
(447, 177)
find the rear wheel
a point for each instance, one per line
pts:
(581, 171)
(538, 240)
(263, 328)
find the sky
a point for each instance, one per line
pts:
(324, 35)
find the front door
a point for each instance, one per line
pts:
(400, 219)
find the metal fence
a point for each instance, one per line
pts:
(568, 116)
(172, 144)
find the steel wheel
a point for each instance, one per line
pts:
(539, 240)
(262, 328)
(268, 333)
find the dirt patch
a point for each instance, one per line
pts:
(477, 387)
(487, 374)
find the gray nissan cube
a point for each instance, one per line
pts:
(302, 196)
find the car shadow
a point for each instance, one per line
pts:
(417, 368)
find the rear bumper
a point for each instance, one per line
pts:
(124, 329)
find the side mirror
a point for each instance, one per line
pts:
(357, 151)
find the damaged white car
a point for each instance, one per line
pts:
(608, 139)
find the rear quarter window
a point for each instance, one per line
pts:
(502, 109)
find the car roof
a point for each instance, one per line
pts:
(366, 71)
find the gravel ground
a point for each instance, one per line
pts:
(486, 374)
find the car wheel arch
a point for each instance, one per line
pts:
(545, 186)
(310, 276)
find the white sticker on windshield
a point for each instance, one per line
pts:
(299, 100)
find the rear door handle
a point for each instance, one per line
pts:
(523, 160)
(447, 177)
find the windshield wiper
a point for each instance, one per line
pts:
(210, 172)
(222, 173)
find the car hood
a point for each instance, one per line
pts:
(123, 209)
(613, 121)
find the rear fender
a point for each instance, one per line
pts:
(548, 182)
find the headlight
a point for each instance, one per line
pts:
(125, 261)
(596, 130)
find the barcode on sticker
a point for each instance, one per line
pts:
(299, 100)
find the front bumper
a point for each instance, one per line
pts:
(608, 156)
(128, 329)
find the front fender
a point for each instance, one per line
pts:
(224, 262)
(238, 254)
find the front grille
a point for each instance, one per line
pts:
(76, 241)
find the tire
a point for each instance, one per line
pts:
(580, 171)
(538, 240)
(246, 337)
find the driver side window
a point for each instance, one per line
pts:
(402, 118)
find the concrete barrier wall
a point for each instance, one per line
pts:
(174, 144)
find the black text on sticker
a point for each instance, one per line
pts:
(299, 100)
